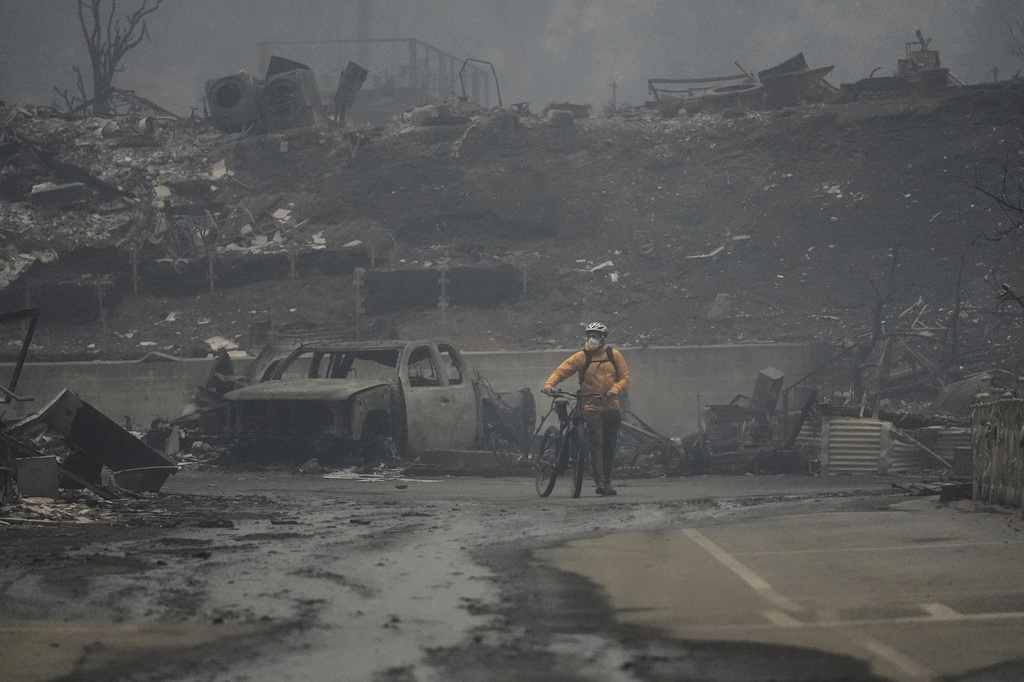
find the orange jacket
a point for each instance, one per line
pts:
(601, 377)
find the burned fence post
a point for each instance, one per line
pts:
(210, 274)
(134, 256)
(442, 301)
(358, 282)
(103, 312)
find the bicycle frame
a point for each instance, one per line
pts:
(572, 442)
(568, 419)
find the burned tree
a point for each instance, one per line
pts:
(109, 38)
(1014, 24)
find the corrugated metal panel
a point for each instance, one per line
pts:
(944, 440)
(854, 446)
(907, 457)
(809, 437)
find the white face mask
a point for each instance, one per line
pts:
(593, 343)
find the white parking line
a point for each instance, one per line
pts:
(783, 620)
(913, 670)
(941, 611)
(910, 670)
(883, 548)
(775, 620)
(742, 572)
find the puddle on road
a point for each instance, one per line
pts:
(33, 651)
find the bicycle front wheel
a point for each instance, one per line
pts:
(545, 462)
(579, 455)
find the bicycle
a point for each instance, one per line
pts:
(562, 447)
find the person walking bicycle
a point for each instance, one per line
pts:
(603, 375)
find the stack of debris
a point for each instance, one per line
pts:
(788, 84)
(69, 444)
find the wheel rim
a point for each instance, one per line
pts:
(546, 463)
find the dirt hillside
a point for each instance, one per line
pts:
(803, 223)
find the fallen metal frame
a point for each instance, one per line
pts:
(8, 395)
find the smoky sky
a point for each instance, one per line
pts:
(543, 50)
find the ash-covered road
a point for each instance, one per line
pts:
(273, 576)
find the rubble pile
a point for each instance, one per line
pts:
(507, 227)
(76, 508)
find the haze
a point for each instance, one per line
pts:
(543, 50)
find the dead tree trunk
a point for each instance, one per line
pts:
(109, 38)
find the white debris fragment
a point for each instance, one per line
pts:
(172, 316)
(219, 170)
(614, 276)
(602, 266)
(354, 243)
(162, 191)
(710, 254)
(219, 343)
(282, 214)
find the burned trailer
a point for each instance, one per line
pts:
(358, 403)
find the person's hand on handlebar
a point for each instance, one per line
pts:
(547, 390)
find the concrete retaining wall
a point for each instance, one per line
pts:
(668, 383)
(140, 390)
(666, 380)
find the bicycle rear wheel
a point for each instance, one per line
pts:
(545, 463)
(579, 455)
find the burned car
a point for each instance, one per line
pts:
(359, 402)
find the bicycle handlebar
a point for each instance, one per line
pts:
(579, 396)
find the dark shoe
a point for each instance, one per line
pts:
(609, 490)
(600, 490)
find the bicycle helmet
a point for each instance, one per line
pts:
(597, 328)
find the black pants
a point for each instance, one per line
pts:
(603, 428)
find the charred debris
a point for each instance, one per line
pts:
(146, 202)
(70, 445)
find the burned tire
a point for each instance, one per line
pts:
(545, 462)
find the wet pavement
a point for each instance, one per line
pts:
(276, 576)
(918, 590)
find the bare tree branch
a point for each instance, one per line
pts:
(109, 40)
(1015, 27)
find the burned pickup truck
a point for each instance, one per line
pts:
(372, 401)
